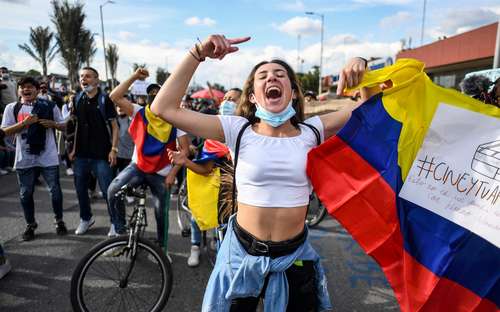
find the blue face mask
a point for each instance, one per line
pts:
(227, 108)
(275, 119)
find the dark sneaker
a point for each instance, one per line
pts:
(61, 228)
(29, 233)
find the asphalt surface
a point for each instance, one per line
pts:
(42, 268)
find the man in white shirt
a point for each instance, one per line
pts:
(32, 121)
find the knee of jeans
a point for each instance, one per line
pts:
(54, 188)
(113, 188)
(25, 192)
(56, 192)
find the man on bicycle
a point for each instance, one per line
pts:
(150, 164)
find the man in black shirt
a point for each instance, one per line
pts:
(96, 141)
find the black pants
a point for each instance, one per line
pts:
(301, 291)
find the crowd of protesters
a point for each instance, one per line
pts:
(88, 131)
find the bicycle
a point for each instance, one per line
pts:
(210, 239)
(129, 273)
(316, 211)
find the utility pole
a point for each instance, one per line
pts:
(104, 41)
(423, 25)
(321, 48)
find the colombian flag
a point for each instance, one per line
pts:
(203, 191)
(212, 150)
(432, 262)
(152, 137)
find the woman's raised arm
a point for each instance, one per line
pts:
(167, 101)
(350, 76)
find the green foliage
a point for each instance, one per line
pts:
(137, 65)
(41, 48)
(112, 60)
(309, 80)
(33, 73)
(219, 87)
(161, 75)
(76, 43)
(88, 47)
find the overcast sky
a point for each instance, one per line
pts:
(159, 33)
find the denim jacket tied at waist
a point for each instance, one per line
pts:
(239, 275)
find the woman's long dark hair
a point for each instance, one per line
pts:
(247, 109)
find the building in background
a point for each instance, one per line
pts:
(60, 80)
(448, 60)
(330, 82)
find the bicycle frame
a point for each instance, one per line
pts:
(138, 223)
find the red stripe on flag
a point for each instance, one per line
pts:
(362, 201)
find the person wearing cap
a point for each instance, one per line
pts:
(32, 121)
(159, 176)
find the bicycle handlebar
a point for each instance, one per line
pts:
(128, 190)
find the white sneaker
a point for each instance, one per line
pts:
(69, 172)
(84, 226)
(194, 257)
(5, 268)
(112, 232)
(3, 172)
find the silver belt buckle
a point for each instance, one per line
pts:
(260, 247)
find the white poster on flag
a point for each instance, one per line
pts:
(456, 173)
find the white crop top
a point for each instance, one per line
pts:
(271, 171)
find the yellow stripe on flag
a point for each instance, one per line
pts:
(413, 100)
(157, 127)
(203, 197)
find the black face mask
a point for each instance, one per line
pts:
(150, 99)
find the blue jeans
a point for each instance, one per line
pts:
(133, 176)
(26, 178)
(82, 168)
(195, 233)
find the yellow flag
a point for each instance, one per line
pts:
(203, 197)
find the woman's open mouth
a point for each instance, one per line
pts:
(273, 92)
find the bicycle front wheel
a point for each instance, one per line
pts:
(315, 212)
(109, 278)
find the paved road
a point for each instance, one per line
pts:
(42, 268)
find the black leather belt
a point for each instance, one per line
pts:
(256, 247)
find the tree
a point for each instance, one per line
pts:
(68, 20)
(137, 65)
(161, 75)
(87, 47)
(33, 73)
(219, 87)
(41, 48)
(112, 60)
(309, 80)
